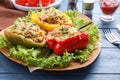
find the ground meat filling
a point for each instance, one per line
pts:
(53, 16)
(64, 32)
(30, 31)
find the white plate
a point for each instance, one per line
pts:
(27, 8)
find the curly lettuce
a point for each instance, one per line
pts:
(45, 58)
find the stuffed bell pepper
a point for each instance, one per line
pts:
(25, 33)
(50, 19)
(66, 38)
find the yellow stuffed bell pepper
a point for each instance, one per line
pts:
(50, 19)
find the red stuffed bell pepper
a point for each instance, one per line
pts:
(67, 39)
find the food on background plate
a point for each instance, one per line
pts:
(67, 38)
(50, 19)
(45, 57)
(46, 2)
(52, 1)
(34, 3)
(25, 33)
(21, 2)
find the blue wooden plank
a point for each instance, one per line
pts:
(106, 66)
(105, 42)
(63, 5)
(96, 8)
(107, 62)
(96, 20)
(57, 76)
(79, 6)
(7, 65)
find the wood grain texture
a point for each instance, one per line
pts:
(108, 62)
(105, 67)
(58, 76)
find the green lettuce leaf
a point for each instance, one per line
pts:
(77, 21)
(45, 58)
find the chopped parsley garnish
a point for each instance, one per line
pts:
(44, 57)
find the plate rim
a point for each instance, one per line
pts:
(93, 55)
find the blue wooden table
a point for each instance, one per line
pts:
(105, 67)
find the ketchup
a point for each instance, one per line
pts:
(109, 6)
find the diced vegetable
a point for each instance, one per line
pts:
(25, 33)
(50, 19)
(44, 57)
(21, 2)
(45, 2)
(33, 2)
(67, 39)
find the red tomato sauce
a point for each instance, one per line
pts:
(109, 7)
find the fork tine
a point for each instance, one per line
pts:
(110, 36)
(106, 32)
(113, 36)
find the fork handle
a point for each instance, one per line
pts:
(117, 43)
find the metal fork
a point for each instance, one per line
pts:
(111, 37)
